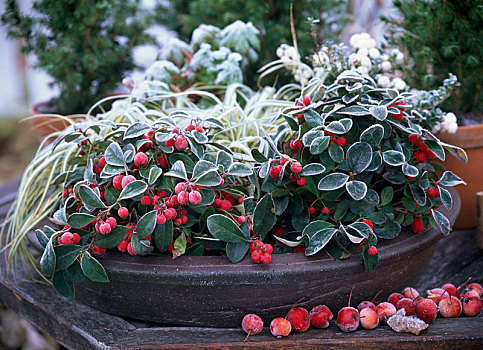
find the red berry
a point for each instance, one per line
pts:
(325, 210)
(408, 305)
(256, 256)
(394, 298)
(385, 310)
(426, 310)
(102, 162)
(190, 127)
(169, 143)
(146, 200)
(127, 180)
(420, 156)
(181, 143)
(302, 181)
(199, 129)
(97, 251)
(162, 161)
(430, 154)
(67, 238)
(129, 249)
(414, 139)
(369, 223)
(369, 318)
(160, 219)
(299, 319)
(422, 146)
(104, 228)
(278, 231)
(372, 250)
(241, 219)
(417, 225)
(275, 171)
(348, 319)
(268, 248)
(225, 205)
(266, 258)
(75, 238)
(122, 246)
(296, 168)
(123, 212)
(117, 182)
(306, 100)
(141, 159)
(311, 210)
(112, 222)
(341, 141)
(320, 316)
(195, 197)
(183, 197)
(398, 116)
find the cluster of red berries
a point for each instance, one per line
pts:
(338, 140)
(295, 168)
(303, 102)
(444, 300)
(187, 193)
(261, 252)
(67, 237)
(400, 115)
(424, 152)
(192, 127)
(178, 141)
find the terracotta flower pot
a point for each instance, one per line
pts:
(211, 291)
(470, 138)
(46, 124)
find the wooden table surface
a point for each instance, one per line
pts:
(78, 326)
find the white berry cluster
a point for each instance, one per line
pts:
(448, 124)
(290, 59)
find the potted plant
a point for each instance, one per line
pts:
(346, 162)
(84, 47)
(442, 37)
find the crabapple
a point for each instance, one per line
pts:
(366, 304)
(280, 327)
(252, 324)
(394, 298)
(299, 319)
(320, 316)
(472, 306)
(385, 310)
(408, 305)
(477, 287)
(369, 318)
(426, 310)
(348, 319)
(450, 307)
(410, 293)
(435, 294)
(451, 289)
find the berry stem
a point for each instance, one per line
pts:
(469, 279)
(375, 296)
(298, 301)
(350, 295)
(249, 331)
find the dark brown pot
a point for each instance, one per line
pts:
(45, 124)
(211, 291)
(470, 138)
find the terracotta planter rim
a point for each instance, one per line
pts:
(466, 137)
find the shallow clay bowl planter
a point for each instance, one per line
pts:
(470, 138)
(211, 291)
(46, 124)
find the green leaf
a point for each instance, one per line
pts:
(313, 118)
(359, 156)
(66, 255)
(312, 169)
(437, 149)
(42, 238)
(136, 130)
(199, 137)
(336, 127)
(354, 111)
(280, 205)
(154, 174)
(163, 235)
(240, 169)
(372, 197)
(113, 238)
(146, 224)
(357, 189)
(179, 245)
(456, 152)
(90, 198)
(333, 181)
(442, 222)
(418, 194)
(178, 170)
(378, 112)
(202, 168)
(319, 240)
(446, 198)
(319, 144)
(210, 179)
(114, 155)
(111, 194)
(140, 246)
(373, 135)
(336, 153)
(223, 158)
(393, 158)
(93, 269)
(450, 179)
(133, 189)
(48, 259)
(110, 170)
(78, 220)
(62, 284)
(258, 156)
(387, 195)
(410, 170)
(264, 216)
(224, 229)
(294, 125)
(310, 136)
(314, 227)
(236, 250)
(390, 229)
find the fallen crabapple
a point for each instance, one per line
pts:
(320, 316)
(435, 294)
(365, 305)
(348, 317)
(252, 324)
(450, 307)
(299, 319)
(451, 289)
(369, 318)
(426, 310)
(477, 287)
(472, 306)
(408, 305)
(385, 310)
(280, 327)
(410, 293)
(394, 298)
